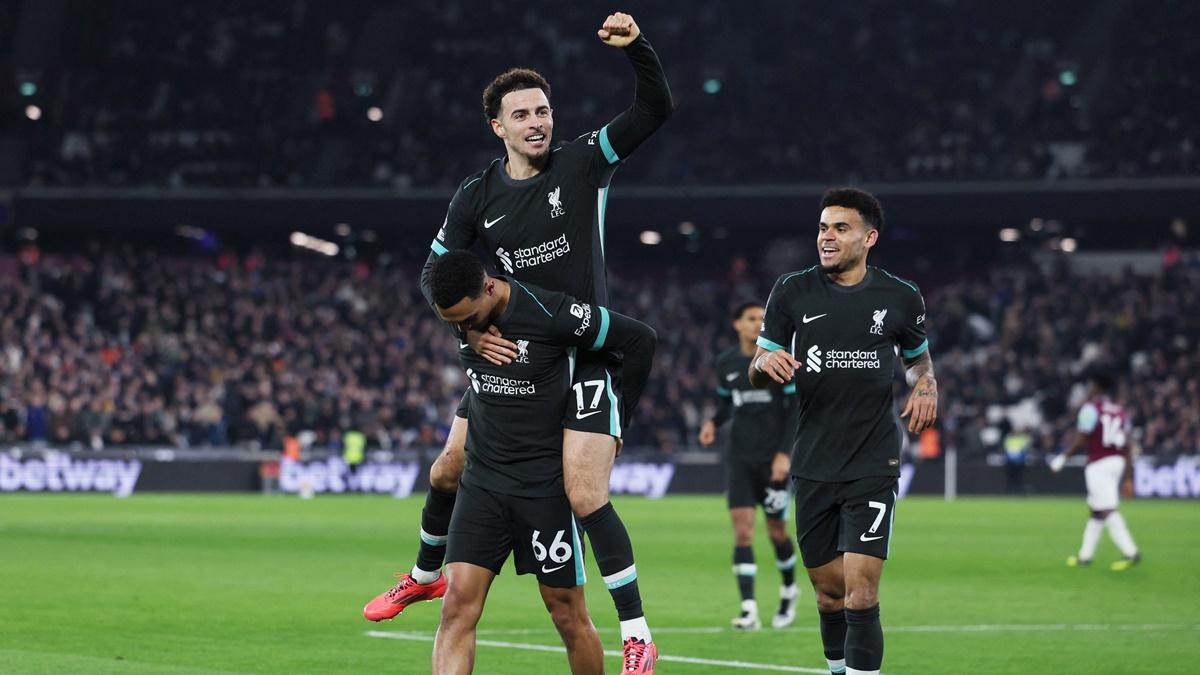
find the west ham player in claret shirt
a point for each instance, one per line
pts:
(835, 329)
(1103, 428)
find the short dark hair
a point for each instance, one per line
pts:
(455, 275)
(1103, 378)
(741, 309)
(860, 200)
(514, 79)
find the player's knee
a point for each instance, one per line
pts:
(864, 597)
(585, 499)
(459, 612)
(446, 471)
(777, 531)
(743, 536)
(568, 619)
(829, 600)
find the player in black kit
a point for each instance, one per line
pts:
(834, 330)
(539, 212)
(759, 461)
(511, 496)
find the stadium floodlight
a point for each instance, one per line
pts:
(301, 240)
(1010, 234)
(1069, 245)
(33, 112)
(650, 238)
(375, 113)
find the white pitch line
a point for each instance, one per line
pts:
(970, 628)
(419, 637)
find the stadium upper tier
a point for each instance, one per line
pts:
(383, 94)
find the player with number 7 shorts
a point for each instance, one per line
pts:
(835, 330)
(511, 495)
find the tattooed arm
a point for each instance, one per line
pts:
(921, 409)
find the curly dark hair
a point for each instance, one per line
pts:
(455, 275)
(860, 200)
(514, 79)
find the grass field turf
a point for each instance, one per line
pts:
(238, 584)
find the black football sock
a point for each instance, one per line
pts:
(864, 639)
(614, 557)
(435, 525)
(833, 639)
(744, 570)
(785, 560)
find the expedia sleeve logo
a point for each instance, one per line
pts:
(584, 314)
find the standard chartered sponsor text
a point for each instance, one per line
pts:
(542, 253)
(853, 358)
(494, 384)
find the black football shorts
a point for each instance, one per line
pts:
(850, 517)
(540, 532)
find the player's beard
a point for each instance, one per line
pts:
(846, 263)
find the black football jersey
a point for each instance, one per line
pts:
(514, 441)
(547, 230)
(759, 416)
(846, 340)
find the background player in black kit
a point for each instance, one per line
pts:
(759, 462)
(539, 212)
(511, 496)
(846, 320)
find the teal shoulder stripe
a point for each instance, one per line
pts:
(535, 298)
(910, 353)
(609, 153)
(438, 248)
(471, 182)
(906, 283)
(603, 334)
(796, 274)
(768, 345)
(789, 388)
(722, 391)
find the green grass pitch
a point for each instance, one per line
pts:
(249, 584)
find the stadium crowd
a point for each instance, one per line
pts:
(193, 93)
(118, 345)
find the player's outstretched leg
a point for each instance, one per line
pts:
(1091, 538)
(569, 613)
(454, 645)
(1119, 532)
(424, 581)
(744, 568)
(785, 560)
(587, 462)
(829, 586)
(864, 634)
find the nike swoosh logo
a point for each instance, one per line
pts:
(463, 345)
(864, 537)
(809, 319)
(552, 569)
(487, 224)
(580, 415)
(731, 377)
